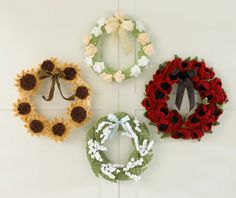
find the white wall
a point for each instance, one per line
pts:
(31, 31)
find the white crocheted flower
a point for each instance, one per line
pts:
(135, 71)
(108, 169)
(143, 61)
(101, 22)
(132, 164)
(96, 31)
(101, 125)
(139, 26)
(106, 132)
(89, 61)
(98, 67)
(94, 148)
(145, 147)
(133, 176)
(137, 125)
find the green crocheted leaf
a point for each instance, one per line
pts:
(144, 134)
(108, 178)
(121, 114)
(135, 33)
(95, 40)
(104, 157)
(97, 135)
(147, 159)
(136, 170)
(216, 123)
(93, 163)
(96, 167)
(134, 155)
(220, 106)
(141, 52)
(109, 70)
(164, 135)
(121, 176)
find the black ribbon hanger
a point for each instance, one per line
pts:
(55, 81)
(185, 83)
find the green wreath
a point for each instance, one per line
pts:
(117, 25)
(138, 159)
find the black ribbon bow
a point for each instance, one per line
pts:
(185, 83)
(55, 81)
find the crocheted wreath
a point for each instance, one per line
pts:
(189, 74)
(139, 158)
(117, 25)
(78, 112)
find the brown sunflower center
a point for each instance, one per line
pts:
(24, 108)
(78, 114)
(28, 82)
(59, 129)
(36, 126)
(82, 92)
(47, 65)
(70, 73)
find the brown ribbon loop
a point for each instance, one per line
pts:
(59, 88)
(185, 83)
(55, 81)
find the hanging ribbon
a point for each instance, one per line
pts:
(185, 83)
(119, 27)
(126, 126)
(55, 81)
(117, 122)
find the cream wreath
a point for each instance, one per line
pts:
(120, 25)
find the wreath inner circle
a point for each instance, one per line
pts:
(99, 135)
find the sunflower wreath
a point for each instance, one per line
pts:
(117, 25)
(138, 159)
(189, 74)
(28, 83)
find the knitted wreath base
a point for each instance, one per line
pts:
(78, 113)
(189, 74)
(138, 159)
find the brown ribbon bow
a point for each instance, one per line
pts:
(185, 83)
(55, 81)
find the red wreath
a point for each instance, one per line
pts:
(189, 74)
